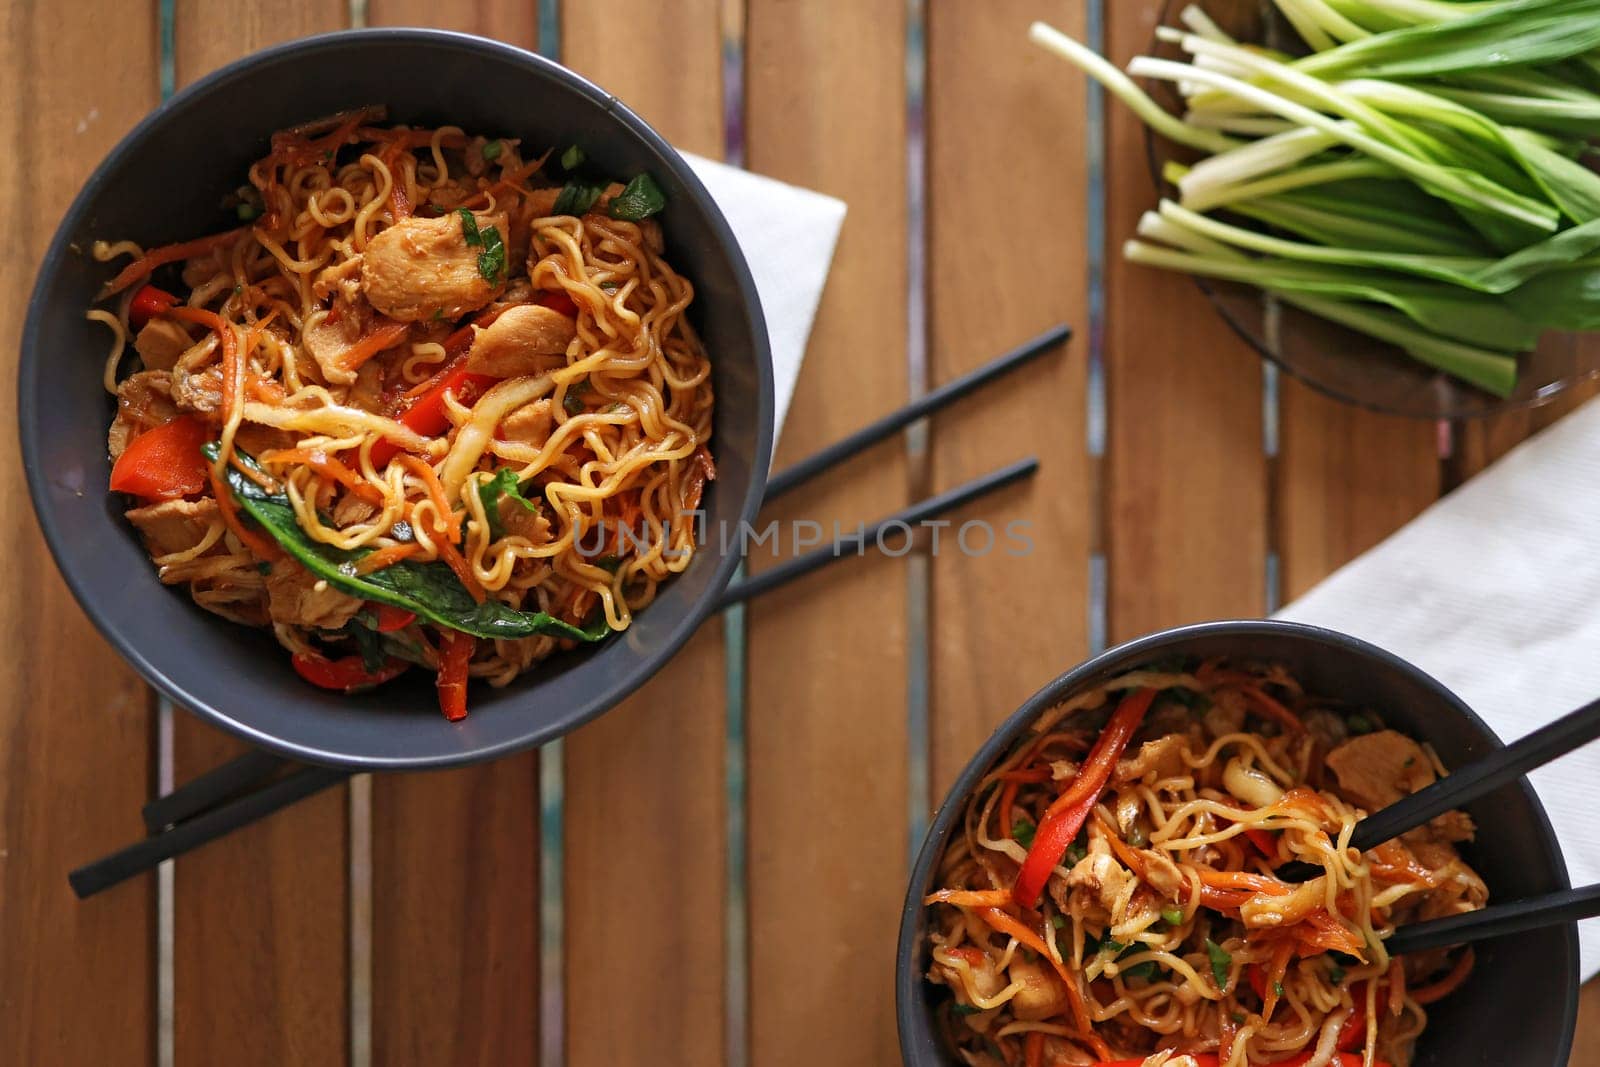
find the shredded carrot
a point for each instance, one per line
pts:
(1242, 880)
(263, 547)
(446, 525)
(266, 390)
(452, 556)
(970, 898)
(328, 467)
(387, 556)
(1011, 927)
(385, 336)
(141, 268)
(1397, 988)
(1033, 1049)
(1277, 967)
(1393, 863)
(1269, 708)
(399, 204)
(230, 351)
(1322, 931)
(1125, 852)
(1448, 984)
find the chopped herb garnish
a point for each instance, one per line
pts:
(610, 287)
(503, 484)
(1237, 1017)
(1277, 989)
(1335, 974)
(1022, 833)
(246, 211)
(577, 197)
(572, 403)
(263, 568)
(1075, 854)
(1058, 921)
(1111, 946)
(1359, 724)
(965, 1009)
(1137, 837)
(638, 200)
(492, 149)
(1172, 916)
(572, 158)
(1145, 970)
(438, 313)
(238, 289)
(609, 563)
(492, 260)
(1221, 960)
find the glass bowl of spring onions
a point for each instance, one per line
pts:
(1395, 200)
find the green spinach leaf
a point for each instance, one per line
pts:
(577, 197)
(639, 199)
(431, 590)
(504, 483)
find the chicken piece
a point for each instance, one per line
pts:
(541, 202)
(1377, 769)
(521, 341)
(367, 392)
(199, 393)
(1327, 729)
(351, 511)
(1161, 758)
(174, 525)
(1042, 994)
(985, 979)
(1225, 715)
(1453, 826)
(294, 597)
(530, 424)
(144, 400)
(518, 521)
(423, 269)
(255, 439)
(161, 342)
(336, 341)
(1099, 871)
(1162, 875)
(342, 280)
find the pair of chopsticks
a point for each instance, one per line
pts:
(259, 783)
(1570, 732)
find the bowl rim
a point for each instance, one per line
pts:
(908, 979)
(34, 447)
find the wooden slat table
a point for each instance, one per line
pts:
(711, 874)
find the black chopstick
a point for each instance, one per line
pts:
(1573, 730)
(923, 406)
(211, 788)
(855, 543)
(1497, 920)
(206, 826)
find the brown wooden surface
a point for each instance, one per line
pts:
(644, 783)
(826, 108)
(1186, 476)
(76, 725)
(1185, 505)
(1003, 624)
(275, 893)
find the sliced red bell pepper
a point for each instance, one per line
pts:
(149, 302)
(455, 653)
(391, 618)
(1066, 816)
(163, 463)
(347, 674)
(557, 301)
(1265, 841)
(427, 416)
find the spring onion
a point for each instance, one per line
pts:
(1419, 175)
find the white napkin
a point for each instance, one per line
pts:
(1495, 591)
(788, 235)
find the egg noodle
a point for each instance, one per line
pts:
(405, 316)
(1160, 935)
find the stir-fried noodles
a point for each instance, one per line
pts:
(1110, 896)
(432, 402)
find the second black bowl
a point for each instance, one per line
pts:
(165, 182)
(1521, 1002)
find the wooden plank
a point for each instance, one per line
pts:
(1479, 442)
(455, 854)
(505, 20)
(995, 640)
(260, 966)
(76, 737)
(1346, 479)
(455, 861)
(1586, 1051)
(644, 784)
(826, 108)
(1186, 478)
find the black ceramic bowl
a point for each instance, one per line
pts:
(1521, 1002)
(165, 182)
